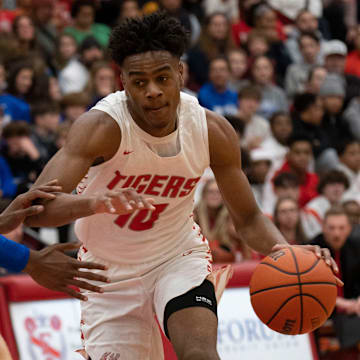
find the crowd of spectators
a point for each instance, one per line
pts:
(284, 73)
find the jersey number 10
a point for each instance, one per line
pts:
(142, 220)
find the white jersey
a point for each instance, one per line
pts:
(146, 237)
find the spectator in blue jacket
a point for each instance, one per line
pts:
(216, 95)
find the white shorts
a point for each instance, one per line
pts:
(120, 323)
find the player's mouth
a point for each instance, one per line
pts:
(156, 109)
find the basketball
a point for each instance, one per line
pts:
(292, 291)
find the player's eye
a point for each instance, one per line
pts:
(139, 83)
(163, 78)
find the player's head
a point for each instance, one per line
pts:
(336, 227)
(148, 50)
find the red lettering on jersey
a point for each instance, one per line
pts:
(138, 180)
(115, 180)
(189, 186)
(155, 183)
(173, 186)
(128, 181)
(140, 224)
(121, 220)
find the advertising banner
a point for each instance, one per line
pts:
(46, 330)
(241, 335)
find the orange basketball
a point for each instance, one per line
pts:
(292, 291)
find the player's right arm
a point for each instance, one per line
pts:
(94, 137)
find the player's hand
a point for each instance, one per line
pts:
(21, 207)
(53, 269)
(123, 201)
(321, 253)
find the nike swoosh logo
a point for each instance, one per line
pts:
(128, 152)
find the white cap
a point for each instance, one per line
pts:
(334, 47)
(260, 154)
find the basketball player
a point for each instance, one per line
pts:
(139, 154)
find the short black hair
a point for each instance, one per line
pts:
(286, 179)
(78, 4)
(333, 177)
(310, 35)
(155, 32)
(88, 43)
(342, 144)
(297, 137)
(303, 101)
(277, 114)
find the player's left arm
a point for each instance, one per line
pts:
(256, 229)
(225, 161)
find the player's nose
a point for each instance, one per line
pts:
(153, 91)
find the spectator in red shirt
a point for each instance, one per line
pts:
(298, 161)
(352, 66)
(261, 17)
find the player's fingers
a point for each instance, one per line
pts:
(148, 202)
(134, 198)
(66, 247)
(91, 276)
(333, 265)
(50, 188)
(325, 254)
(51, 182)
(338, 281)
(88, 265)
(124, 201)
(316, 249)
(30, 211)
(279, 247)
(107, 202)
(85, 285)
(35, 194)
(74, 293)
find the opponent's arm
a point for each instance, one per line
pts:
(93, 136)
(225, 161)
(21, 207)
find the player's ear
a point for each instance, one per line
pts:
(181, 74)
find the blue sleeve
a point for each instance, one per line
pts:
(7, 183)
(203, 98)
(13, 256)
